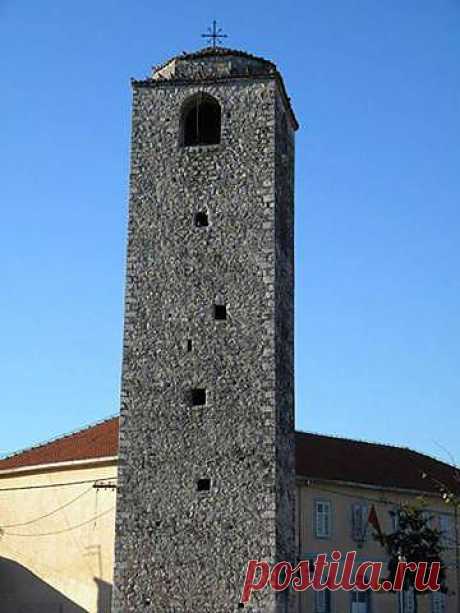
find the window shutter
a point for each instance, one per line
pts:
(323, 602)
(326, 520)
(438, 602)
(445, 528)
(395, 520)
(359, 521)
(318, 519)
(409, 601)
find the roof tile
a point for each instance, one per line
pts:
(98, 441)
(317, 457)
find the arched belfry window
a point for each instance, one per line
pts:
(201, 117)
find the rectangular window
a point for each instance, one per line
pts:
(322, 518)
(323, 602)
(359, 515)
(445, 527)
(438, 602)
(360, 602)
(395, 519)
(408, 598)
(428, 517)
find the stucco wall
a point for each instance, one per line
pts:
(63, 560)
(342, 498)
(56, 543)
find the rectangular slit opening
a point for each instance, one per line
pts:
(201, 220)
(220, 312)
(203, 485)
(198, 397)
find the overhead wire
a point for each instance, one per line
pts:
(39, 518)
(50, 485)
(56, 532)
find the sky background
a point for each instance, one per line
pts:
(376, 88)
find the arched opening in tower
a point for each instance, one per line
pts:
(201, 121)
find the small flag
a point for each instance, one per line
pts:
(374, 521)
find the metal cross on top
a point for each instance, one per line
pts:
(214, 34)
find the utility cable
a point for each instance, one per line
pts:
(32, 521)
(48, 485)
(85, 523)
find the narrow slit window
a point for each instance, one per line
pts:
(198, 396)
(189, 344)
(201, 219)
(220, 311)
(203, 485)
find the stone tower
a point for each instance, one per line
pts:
(206, 479)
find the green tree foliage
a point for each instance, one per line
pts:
(414, 540)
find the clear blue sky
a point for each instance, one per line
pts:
(376, 87)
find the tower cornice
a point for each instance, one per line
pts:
(149, 82)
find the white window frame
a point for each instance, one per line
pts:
(358, 596)
(322, 601)
(323, 519)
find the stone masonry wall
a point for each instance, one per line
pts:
(284, 340)
(178, 549)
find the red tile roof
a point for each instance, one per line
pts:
(317, 457)
(98, 441)
(339, 459)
